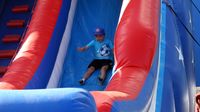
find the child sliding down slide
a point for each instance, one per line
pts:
(103, 56)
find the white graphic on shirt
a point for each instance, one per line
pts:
(104, 50)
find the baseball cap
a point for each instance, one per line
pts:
(99, 31)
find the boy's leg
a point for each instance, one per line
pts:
(87, 74)
(103, 72)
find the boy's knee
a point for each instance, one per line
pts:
(105, 67)
(91, 68)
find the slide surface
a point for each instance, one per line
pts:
(89, 14)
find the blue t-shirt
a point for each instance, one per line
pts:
(103, 50)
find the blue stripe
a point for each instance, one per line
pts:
(43, 73)
(161, 57)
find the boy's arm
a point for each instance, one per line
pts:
(86, 47)
(81, 49)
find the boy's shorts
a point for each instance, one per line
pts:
(98, 63)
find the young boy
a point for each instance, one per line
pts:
(103, 56)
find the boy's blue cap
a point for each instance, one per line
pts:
(99, 31)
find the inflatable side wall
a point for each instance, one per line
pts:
(41, 39)
(42, 74)
(136, 37)
(195, 7)
(176, 86)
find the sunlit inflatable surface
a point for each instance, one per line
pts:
(156, 48)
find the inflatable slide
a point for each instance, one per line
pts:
(154, 53)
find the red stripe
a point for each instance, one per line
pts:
(5, 54)
(20, 9)
(34, 47)
(15, 23)
(11, 38)
(135, 46)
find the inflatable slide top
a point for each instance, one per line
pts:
(44, 61)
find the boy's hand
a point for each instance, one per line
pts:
(81, 49)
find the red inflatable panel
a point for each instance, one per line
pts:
(16, 23)
(11, 38)
(20, 9)
(6, 54)
(134, 48)
(36, 41)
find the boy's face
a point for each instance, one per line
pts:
(99, 37)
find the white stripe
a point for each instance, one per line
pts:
(124, 5)
(57, 70)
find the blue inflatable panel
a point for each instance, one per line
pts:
(197, 4)
(183, 12)
(52, 100)
(175, 91)
(196, 33)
